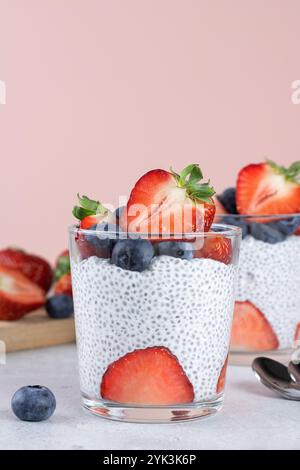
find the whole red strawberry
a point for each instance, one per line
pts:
(91, 213)
(164, 202)
(35, 268)
(62, 274)
(64, 285)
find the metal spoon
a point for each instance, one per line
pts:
(276, 377)
(294, 371)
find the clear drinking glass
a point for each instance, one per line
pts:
(267, 308)
(153, 345)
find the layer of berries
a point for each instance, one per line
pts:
(164, 205)
(263, 189)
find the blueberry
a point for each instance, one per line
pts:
(238, 222)
(266, 233)
(59, 306)
(181, 250)
(101, 242)
(33, 403)
(134, 255)
(228, 200)
(287, 226)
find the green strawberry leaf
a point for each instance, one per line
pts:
(292, 173)
(87, 207)
(190, 179)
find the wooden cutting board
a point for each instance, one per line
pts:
(36, 330)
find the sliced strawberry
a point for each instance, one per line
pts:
(217, 247)
(151, 376)
(33, 267)
(222, 377)
(18, 295)
(91, 213)
(267, 188)
(297, 231)
(297, 333)
(165, 202)
(64, 285)
(251, 330)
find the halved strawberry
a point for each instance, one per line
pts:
(297, 333)
(164, 202)
(222, 377)
(251, 330)
(217, 247)
(151, 376)
(91, 213)
(18, 295)
(64, 285)
(35, 268)
(267, 188)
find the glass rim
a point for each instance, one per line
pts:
(223, 230)
(260, 216)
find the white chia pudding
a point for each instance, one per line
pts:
(269, 277)
(185, 306)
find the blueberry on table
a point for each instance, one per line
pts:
(132, 254)
(238, 222)
(60, 306)
(183, 250)
(33, 403)
(267, 233)
(228, 200)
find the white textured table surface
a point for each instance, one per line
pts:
(252, 417)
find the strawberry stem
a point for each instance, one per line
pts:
(190, 180)
(292, 173)
(87, 207)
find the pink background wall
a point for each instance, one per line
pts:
(99, 91)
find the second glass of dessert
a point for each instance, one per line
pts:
(265, 204)
(153, 287)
